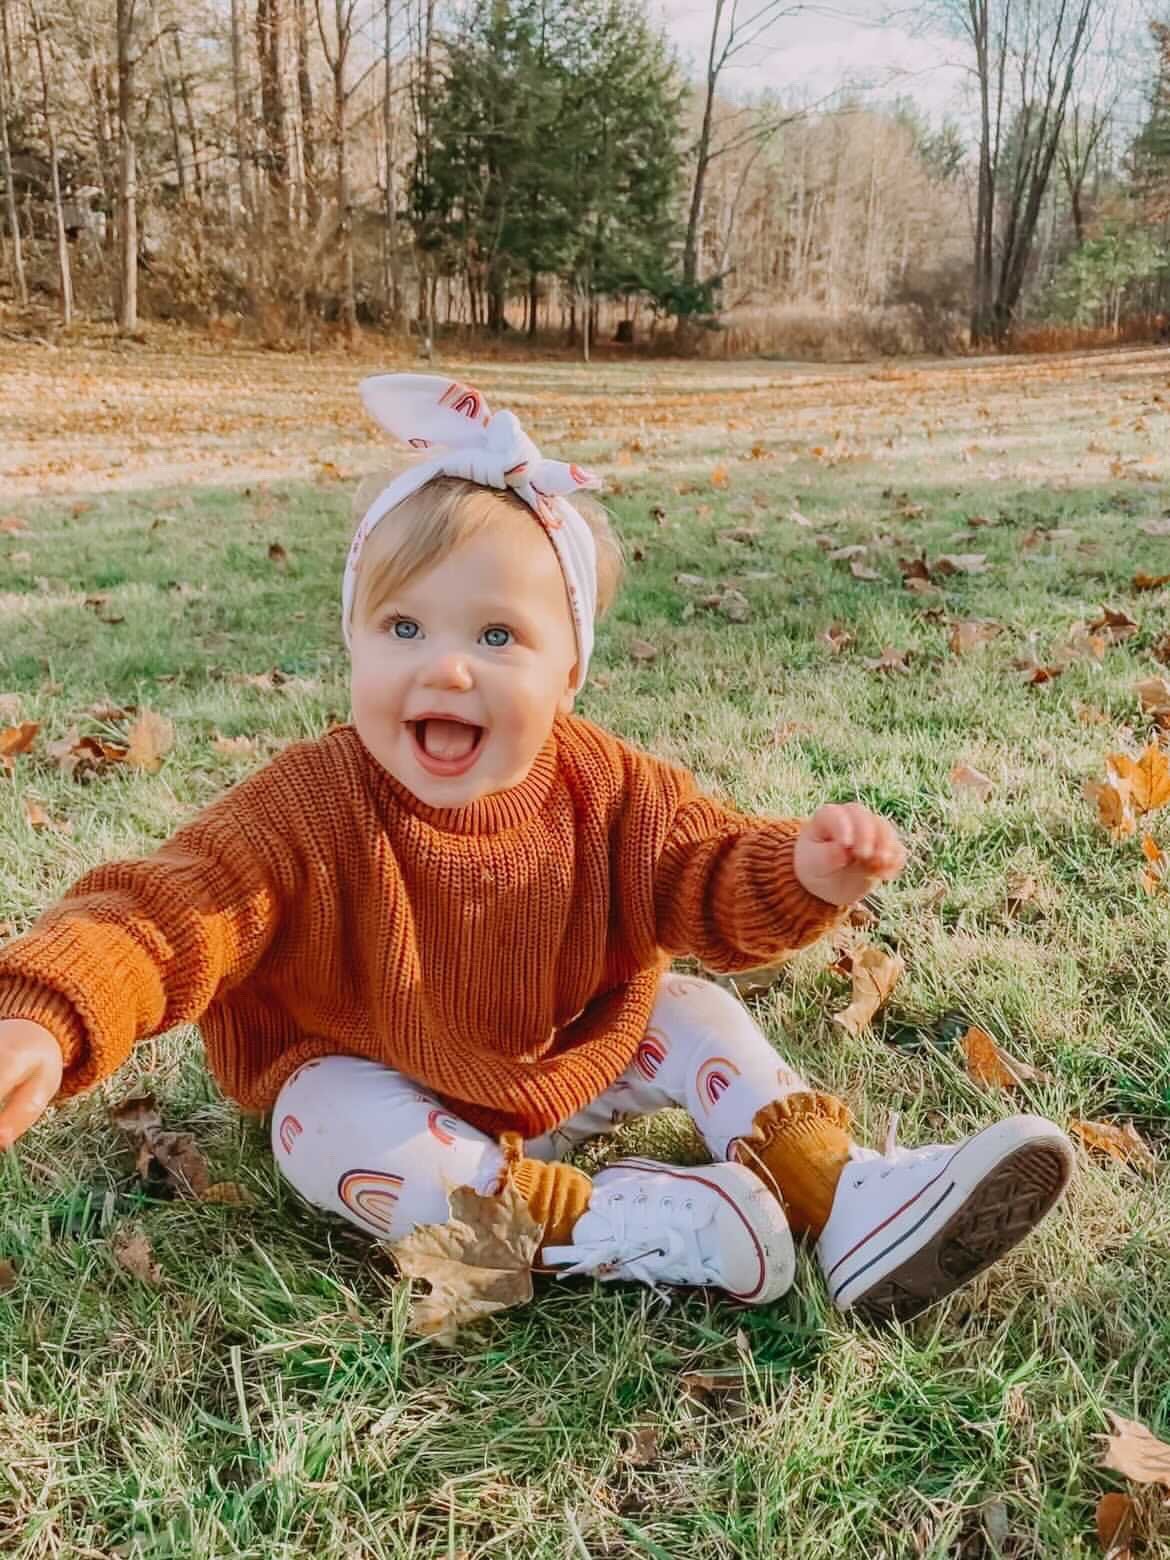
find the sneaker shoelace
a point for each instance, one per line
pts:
(892, 1153)
(632, 1240)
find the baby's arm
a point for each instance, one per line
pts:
(137, 947)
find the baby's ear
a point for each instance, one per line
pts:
(568, 698)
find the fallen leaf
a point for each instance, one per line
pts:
(836, 638)
(971, 634)
(480, 1261)
(914, 570)
(976, 522)
(742, 535)
(703, 1385)
(8, 1276)
(645, 1448)
(1154, 693)
(1036, 674)
(1153, 876)
(229, 1192)
(961, 563)
(1136, 1453)
(1114, 803)
(1115, 1521)
(890, 660)
(277, 554)
(1156, 527)
(874, 972)
(150, 739)
(1143, 581)
(643, 650)
(1115, 625)
(132, 1250)
(1148, 777)
(734, 606)
(235, 747)
(966, 778)
(37, 817)
(719, 477)
(693, 581)
(170, 1157)
(1021, 890)
(761, 452)
(989, 1064)
(7, 928)
(1125, 1144)
(846, 554)
(750, 983)
(11, 524)
(1090, 715)
(10, 705)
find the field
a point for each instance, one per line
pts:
(172, 524)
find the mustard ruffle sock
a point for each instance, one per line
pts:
(557, 1194)
(799, 1146)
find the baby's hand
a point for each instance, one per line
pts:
(843, 852)
(30, 1075)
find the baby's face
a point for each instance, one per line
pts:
(456, 680)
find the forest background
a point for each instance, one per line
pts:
(540, 172)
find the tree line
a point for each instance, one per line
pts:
(549, 167)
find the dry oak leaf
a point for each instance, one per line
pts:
(229, 1192)
(743, 535)
(11, 524)
(862, 571)
(1036, 674)
(1148, 777)
(235, 747)
(734, 606)
(18, 739)
(1154, 693)
(477, 1263)
(174, 1153)
(964, 777)
(10, 705)
(1136, 1453)
(37, 818)
(719, 477)
(971, 634)
(990, 1064)
(1114, 1521)
(874, 972)
(890, 660)
(1144, 581)
(643, 650)
(79, 756)
(1115, 625)
(150, 739)
(132, 1250)
(1125, 1144)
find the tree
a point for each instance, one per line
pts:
(125, 20)
(9, 185)
(64, 270)
(336, 43)
(1150, 155)
(1029, 59)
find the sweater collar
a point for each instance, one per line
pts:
(490, 814)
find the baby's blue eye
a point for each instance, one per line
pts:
(497, 638)
(405, 628)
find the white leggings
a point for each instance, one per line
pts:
(363, 1141)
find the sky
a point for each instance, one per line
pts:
(811, 54)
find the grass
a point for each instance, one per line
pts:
(266, 1400)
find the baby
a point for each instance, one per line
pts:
(435, 943)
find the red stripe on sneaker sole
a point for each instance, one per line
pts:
(689, 1175)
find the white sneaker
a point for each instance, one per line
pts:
(707, 1225)
(911, 1225)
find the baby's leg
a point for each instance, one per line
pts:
(365, 1142)
(706, 1052)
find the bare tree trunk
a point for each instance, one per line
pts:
(702, 155)
(127, 171)
(390, 237)
(172, 115)
(63, 267)
(9, 187)
(240, 120)
(189, 116)
(338, 57)
(272, 110)
(305, 101)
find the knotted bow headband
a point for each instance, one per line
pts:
(431, 413)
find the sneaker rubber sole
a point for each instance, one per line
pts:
(959, 1225)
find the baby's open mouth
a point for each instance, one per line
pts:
(446, 746)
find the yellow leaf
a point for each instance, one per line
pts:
(1114, 803)
(1125, 1144)
(966, 778)
(874, 972)
(1136, 1453)
(989, 1064)
(150, 738)
(968, 636)
(477, 1263)
(719, 478)
(1148, 777)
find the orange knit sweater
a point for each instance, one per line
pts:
(505, 953)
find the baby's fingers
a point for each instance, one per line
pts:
(25, 1105)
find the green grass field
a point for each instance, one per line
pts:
(265, 1399)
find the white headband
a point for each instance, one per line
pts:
(428, 412)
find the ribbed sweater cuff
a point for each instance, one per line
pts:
(28, 999)
(764, 900)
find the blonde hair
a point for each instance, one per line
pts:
(429, 525)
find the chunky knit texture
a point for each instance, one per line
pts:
(505, 953)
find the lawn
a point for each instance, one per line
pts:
(171, 534)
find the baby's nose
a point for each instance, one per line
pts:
(449, 670)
